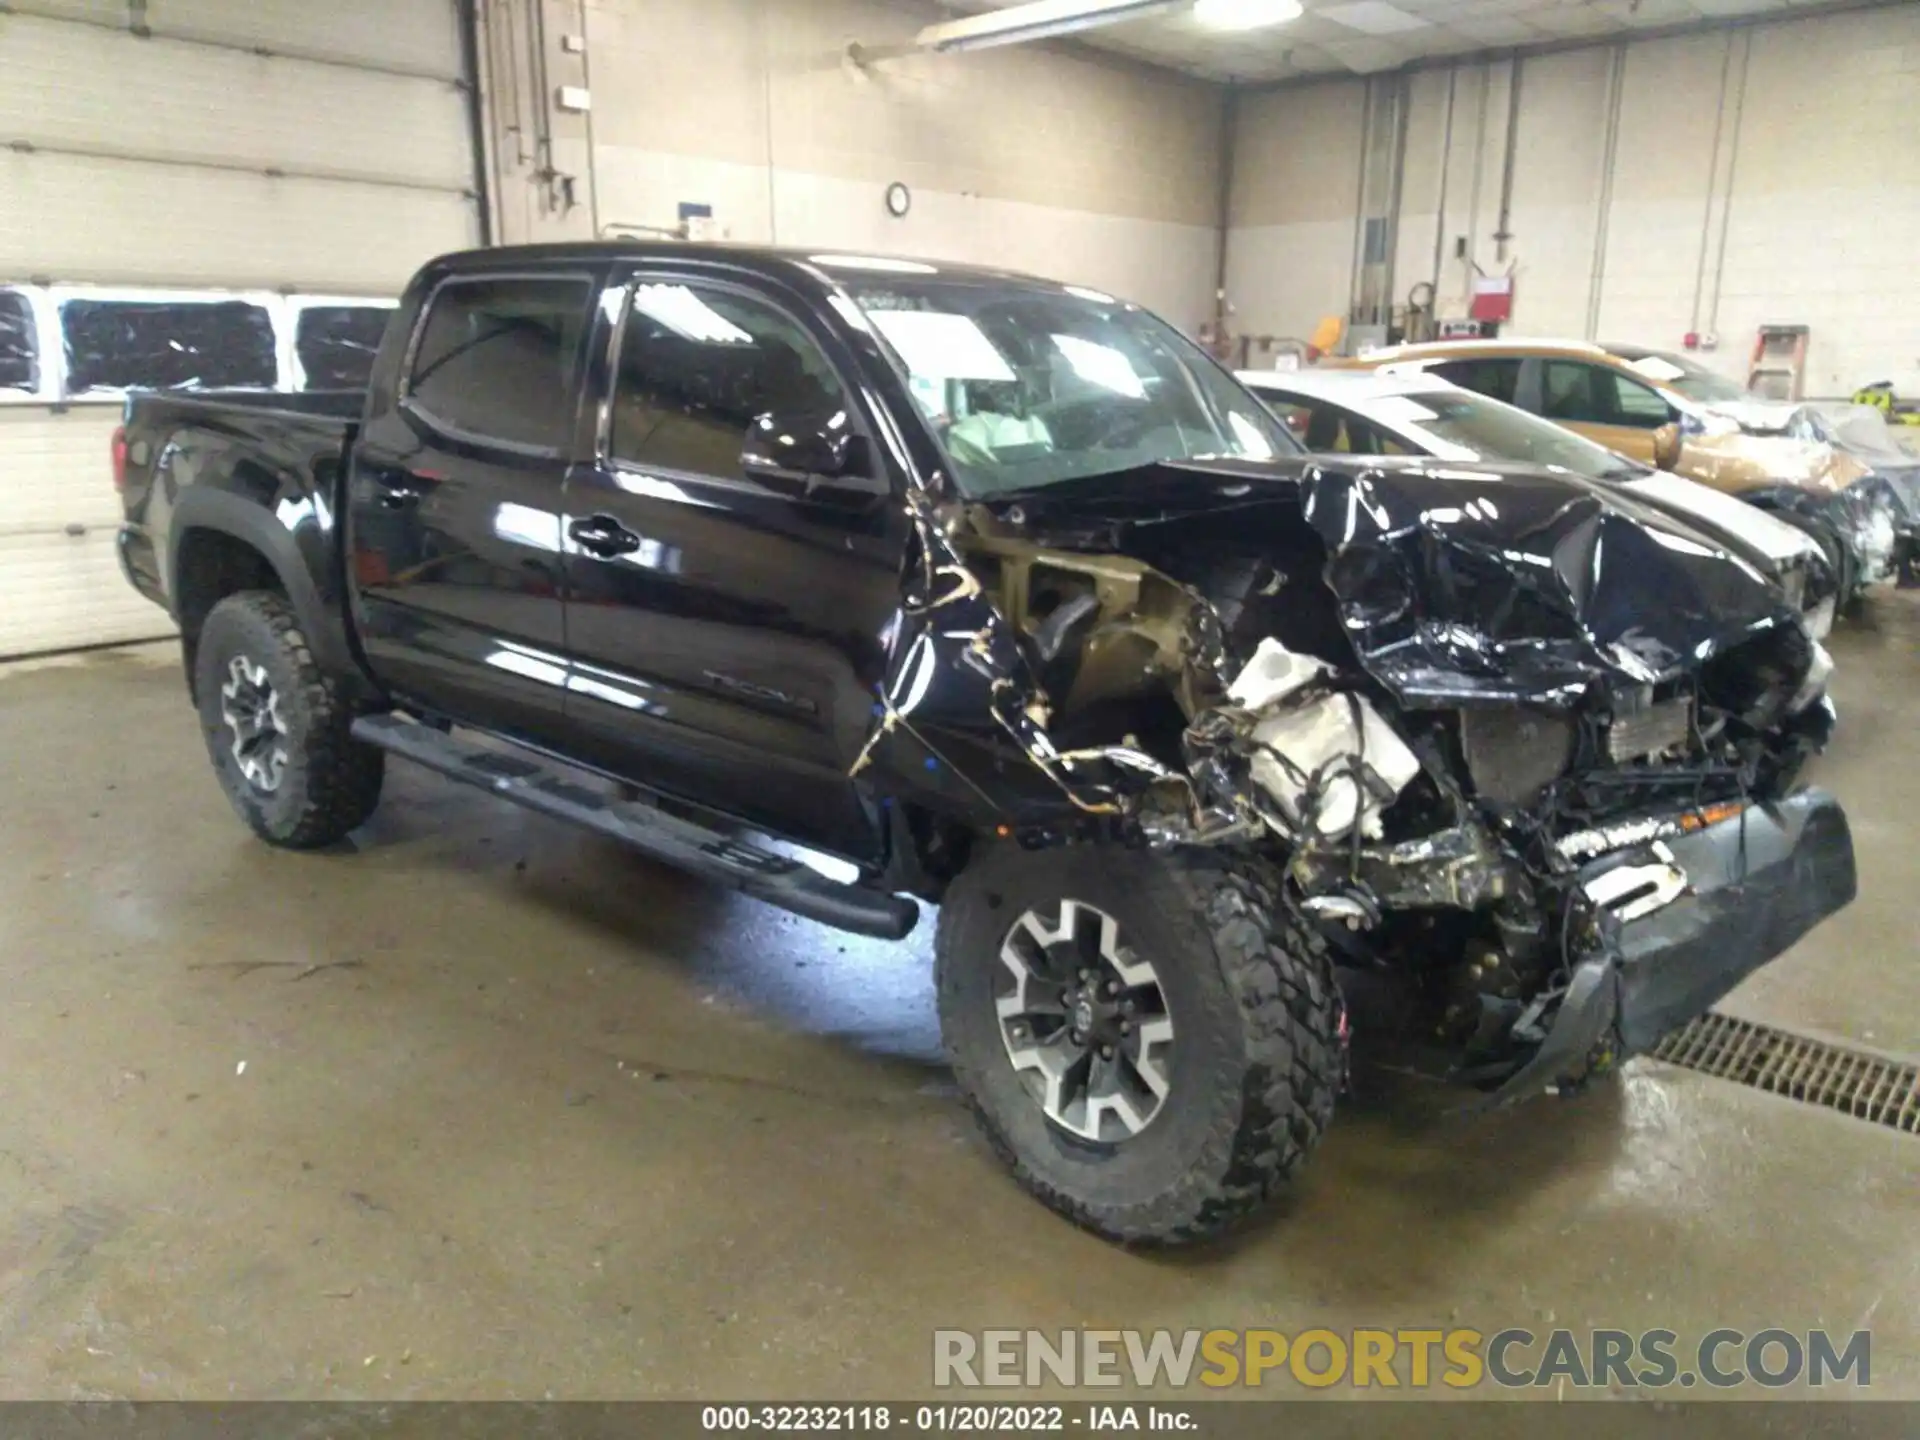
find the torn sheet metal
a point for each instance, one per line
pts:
(158, 344)
(1455, 585)
(1740, 462)
(958, 663)
(19, 343)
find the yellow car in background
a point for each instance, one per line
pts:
(1861, 501)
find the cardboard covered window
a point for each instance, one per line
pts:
(168, 344)
(335, 344)
(19, 346)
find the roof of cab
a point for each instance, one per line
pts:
(1448, 349)
(841, 265)
(1342, 385)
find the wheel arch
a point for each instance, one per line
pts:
(221, 544)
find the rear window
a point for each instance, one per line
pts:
(497, 358)
(19, 343)
(165, 344)
(335, 344)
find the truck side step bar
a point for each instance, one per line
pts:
(764, 875)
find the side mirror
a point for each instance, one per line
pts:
(1666, 446)
(805, 453)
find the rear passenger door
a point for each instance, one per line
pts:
(727, 626)
(456, 498)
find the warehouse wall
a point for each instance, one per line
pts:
(1707, 182)
(1033, 157)
(1296, 195)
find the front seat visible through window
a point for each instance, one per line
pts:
(1567, 393)
(1323, 429)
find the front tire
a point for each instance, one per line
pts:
(1171, 1130)
(278, 729)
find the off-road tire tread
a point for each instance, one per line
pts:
(344, 777)
(1280, 977)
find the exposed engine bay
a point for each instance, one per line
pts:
(1464, 713)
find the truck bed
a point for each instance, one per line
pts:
(192, 455)
(332, 404)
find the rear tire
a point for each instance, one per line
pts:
(278, 729)
(1252, 1057)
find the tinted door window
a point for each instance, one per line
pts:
(497, 359)
(698, 365)
(1490, 376)
(1576, 392)
(1638, 405)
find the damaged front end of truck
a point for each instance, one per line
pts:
(1519, 747)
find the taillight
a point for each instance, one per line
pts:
(120, 458)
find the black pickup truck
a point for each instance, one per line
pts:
(1008, 595)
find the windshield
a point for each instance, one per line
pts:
(1027, 386)
(1465, 426)
(1689, 377)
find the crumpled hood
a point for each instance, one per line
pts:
(1755, 414)
(1456, 584)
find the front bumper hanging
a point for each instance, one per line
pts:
(1750, 887)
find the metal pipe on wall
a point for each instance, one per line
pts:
(471, 49)
(1733, 161)
(1609, 157)
(1479, 163)
(1713, 178)
(1402, 108)
(1446, 166)
(1516, 69)
(1223, 216)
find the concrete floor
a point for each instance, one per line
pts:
(521, 1115)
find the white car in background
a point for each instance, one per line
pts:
(1366, 412)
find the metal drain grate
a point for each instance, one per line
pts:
(1883, 1092)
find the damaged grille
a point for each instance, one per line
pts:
(1867, 1087)
(1651, 729)
(1514, 754)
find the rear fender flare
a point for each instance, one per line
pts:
(261, 531)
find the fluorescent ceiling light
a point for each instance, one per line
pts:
(1039, 20)
(1244, 14)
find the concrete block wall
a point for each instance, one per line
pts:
(1760, 174)
(1035, 157)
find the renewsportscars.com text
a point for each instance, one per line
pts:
(1364, 1358)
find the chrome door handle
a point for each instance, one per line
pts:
(604, 536)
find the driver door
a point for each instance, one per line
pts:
(725, 628)
(1603, 405)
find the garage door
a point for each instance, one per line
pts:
(158, 155)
